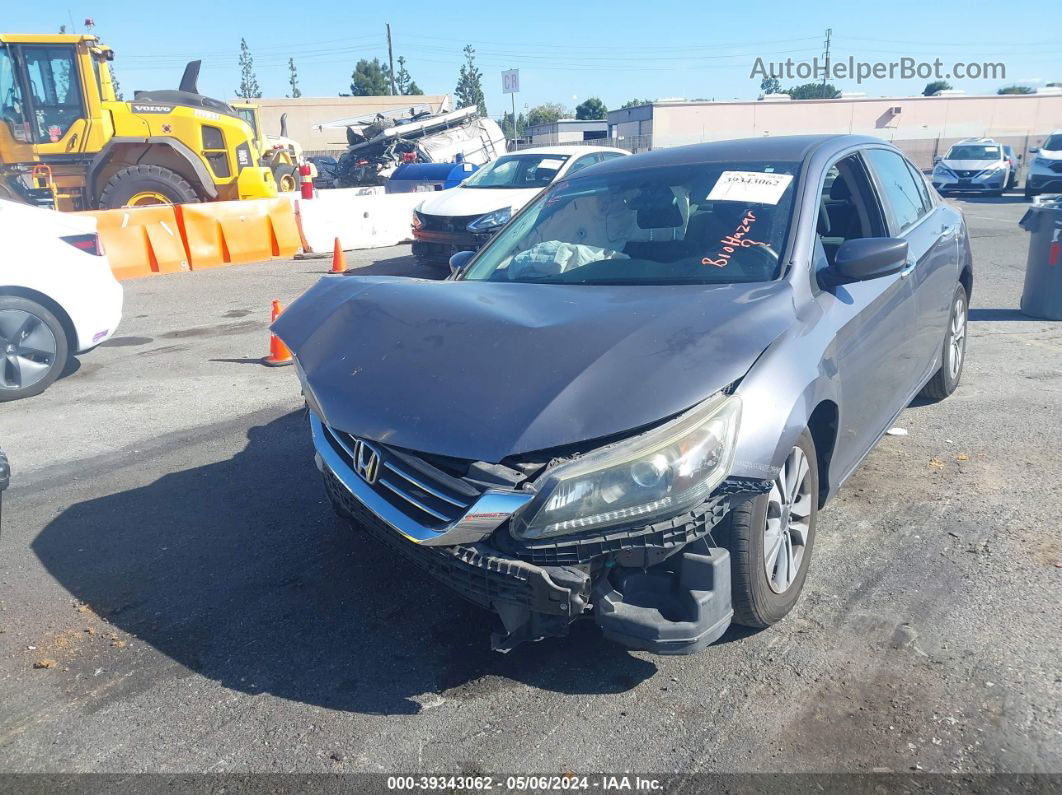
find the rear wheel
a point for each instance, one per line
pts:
(138, 186)
(33, 348)
(770, 540)
(287, 178)
(946, 379)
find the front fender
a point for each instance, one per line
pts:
(781, 391)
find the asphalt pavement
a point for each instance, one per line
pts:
(175, 594)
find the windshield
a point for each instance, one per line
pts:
(248, 116)
(973, 152)
(710, 223)
(517, 171)
(1053, 143)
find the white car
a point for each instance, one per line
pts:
(466, 217)
(58, 295)
(974, 165)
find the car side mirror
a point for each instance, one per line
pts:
(459, 261)
(1033, 150)
(937, 159)
(869, 258)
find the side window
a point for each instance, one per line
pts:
(923, 189)
(55, 88)
(901, 195)
(11, 107)
(605, 156)
(583, 162)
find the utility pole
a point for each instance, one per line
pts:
(391, 61)
(826, 57)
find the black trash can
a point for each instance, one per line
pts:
(1042, 296)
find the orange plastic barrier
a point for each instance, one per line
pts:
(230, 233)
(140, 241)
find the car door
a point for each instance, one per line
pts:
(57, 114)
(870, 320)
(932, 252)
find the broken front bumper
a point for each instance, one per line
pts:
(662, 588)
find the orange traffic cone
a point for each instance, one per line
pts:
(339, 264)
(279, 355)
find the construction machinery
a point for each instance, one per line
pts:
(280, 154)
(59, 113)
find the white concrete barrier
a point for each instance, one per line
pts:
(359, 217)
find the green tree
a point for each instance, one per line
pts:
(935, 86)
(370, 79)
(248, 82)
(1015, 90)
(507, 125)
(814, 91)
(293, 79)
(591, 109)
(546, 113)
(469, 89)
(771, 85)
(405, 82)
(633, 103)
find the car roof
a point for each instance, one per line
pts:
(782, 148)
(565, 150)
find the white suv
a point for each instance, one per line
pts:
(1045, 168)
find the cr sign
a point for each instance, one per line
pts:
(511, 81)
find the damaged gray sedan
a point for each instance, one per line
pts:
(632, 403)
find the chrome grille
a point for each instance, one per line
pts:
(421, 491)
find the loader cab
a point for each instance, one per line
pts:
(51, 92)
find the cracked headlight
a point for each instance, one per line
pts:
(491, 220)
(640, 480)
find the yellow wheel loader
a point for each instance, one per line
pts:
(58, 109)
(280, 154)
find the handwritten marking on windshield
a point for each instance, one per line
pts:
(733, 242)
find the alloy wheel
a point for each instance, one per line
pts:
(957, 338)
(27, 349)
(785, 533)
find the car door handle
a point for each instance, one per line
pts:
(908, 269)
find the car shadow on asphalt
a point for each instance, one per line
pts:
(238, 571)
(1000, 314)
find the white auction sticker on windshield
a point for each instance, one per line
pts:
(757, 187)
(551, 163)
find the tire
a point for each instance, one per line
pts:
(946, 379)
(160, 184)
(33, 348)
(289, 172)
(757, 600)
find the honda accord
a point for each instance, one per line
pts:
(633, 402)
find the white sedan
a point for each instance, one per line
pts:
(58, 295)
(466, 217)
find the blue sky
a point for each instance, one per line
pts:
(565, 51)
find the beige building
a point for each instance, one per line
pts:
(921, 126)
(305, 114)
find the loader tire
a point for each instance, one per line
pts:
(135, 186)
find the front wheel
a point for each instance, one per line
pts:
(33, 348)
(770, 540)
(946, 379)
(139, 186)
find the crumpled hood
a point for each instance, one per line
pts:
(486, 370)
(460, 201)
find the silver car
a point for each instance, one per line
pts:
(976, 165)
(632, 403)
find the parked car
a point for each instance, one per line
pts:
(633, 401)
(1045, 169)
(465, 217)
(1014, 161)
(975, 165)
(58, 295)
